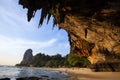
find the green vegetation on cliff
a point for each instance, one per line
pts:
(75, 60)
(42, 60)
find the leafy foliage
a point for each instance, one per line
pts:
(39, 60)
(75, 60)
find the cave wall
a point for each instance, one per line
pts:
(93, 26)
(88, 38)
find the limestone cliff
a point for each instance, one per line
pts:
(28, 56)
(92, 40)
(93, 26)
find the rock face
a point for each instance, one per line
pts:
(93, 26)
(96, 41)
(28, 56)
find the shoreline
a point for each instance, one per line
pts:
(73, 74)
(86, 74)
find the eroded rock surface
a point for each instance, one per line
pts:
(93, 26)
(28, 56)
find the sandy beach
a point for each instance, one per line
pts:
(87, 74)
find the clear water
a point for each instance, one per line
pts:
(16, 72)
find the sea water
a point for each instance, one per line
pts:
(17, 72)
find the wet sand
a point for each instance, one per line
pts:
(87, 74)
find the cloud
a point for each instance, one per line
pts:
(7, 42)
(13, 15)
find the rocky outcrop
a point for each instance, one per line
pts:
(28, 78)
(94, 40)
(93, 26)
(5, 79)
(106, 67)
(43, 77)
(28, 56)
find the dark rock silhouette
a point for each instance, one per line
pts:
(28, 56)
(5, 79)
(28, 78)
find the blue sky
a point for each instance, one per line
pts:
(17, 35)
